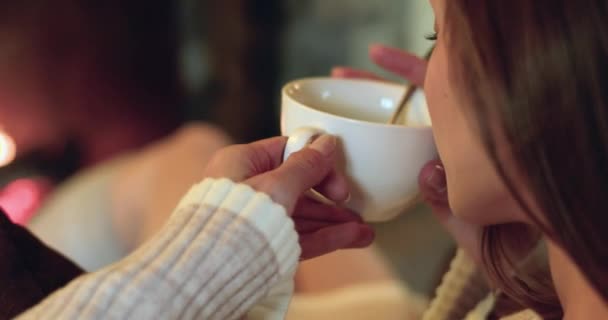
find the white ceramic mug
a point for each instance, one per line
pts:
(382, 161)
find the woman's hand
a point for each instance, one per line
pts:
(432, 179)
(401, 63)
(322, 228)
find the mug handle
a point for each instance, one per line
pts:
(299, 139)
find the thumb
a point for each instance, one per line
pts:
(302, 171)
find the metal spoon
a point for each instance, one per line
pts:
(409, 93)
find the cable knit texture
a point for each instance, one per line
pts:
(464, 294)
(226, 252)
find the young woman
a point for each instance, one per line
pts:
(517, 92)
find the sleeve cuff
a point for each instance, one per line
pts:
(258, 209)
(226, 250)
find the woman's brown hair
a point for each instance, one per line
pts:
(540, 67)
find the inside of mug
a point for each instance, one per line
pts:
(363, 100)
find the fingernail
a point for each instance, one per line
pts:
(348, 198)
(375, 46)
(437, 180)
(366, 238)
(325, 144)
(337, 72)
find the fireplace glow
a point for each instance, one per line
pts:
(8, 149)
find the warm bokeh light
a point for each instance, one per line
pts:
(21, 198)
(8, 149)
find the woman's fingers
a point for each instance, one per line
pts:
(402, 63)
(433, 186)
(432, 181)
(336, 237)
(399, 62)
(325, 228)
(302, 171)
(241, 162)
(310, 209)
(334, 187)
(347, 72)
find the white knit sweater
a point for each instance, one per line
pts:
(226, 252)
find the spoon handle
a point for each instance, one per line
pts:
(408, 94)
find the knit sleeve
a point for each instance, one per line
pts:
(461, 289)
(226, 250)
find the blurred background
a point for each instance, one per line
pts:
(82, 81)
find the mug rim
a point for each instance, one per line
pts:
(289, 96)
